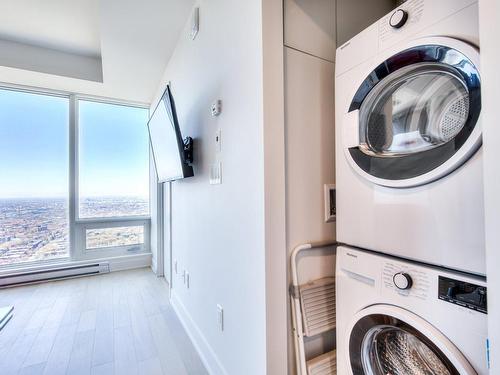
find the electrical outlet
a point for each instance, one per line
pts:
(220, 317)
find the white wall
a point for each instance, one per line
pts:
(489, 23)
(275, 186)
(218, 231)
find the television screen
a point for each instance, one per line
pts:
(170, 157)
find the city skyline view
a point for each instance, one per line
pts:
(37, 229)
(113, 173)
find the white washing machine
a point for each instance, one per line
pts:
(408, 136)
(403, 318)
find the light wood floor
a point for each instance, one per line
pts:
(119, 323)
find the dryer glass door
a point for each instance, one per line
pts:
(417, 108)
(381, 344)
(416, 112)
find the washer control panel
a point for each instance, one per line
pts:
(406, 280)
(402, 281)
(464, 294)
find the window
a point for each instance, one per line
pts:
(56, 203)
(113, 237)
(34, 164)
(113, 155)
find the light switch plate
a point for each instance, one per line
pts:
(216, 173)
(220, 317)
(195, 23)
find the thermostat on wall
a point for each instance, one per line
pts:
(330, 203)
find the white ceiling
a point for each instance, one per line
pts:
(68, 25)
(119, 47)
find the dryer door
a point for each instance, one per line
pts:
(389, 340)
(415, 117)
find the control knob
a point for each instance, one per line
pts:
(402, 281)
(398, 18)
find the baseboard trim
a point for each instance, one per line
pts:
(205, 351)
(120, 263)
(129, 262)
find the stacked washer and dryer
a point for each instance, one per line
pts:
(411, 287)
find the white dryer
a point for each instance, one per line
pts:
(408, 136)
(403, 318)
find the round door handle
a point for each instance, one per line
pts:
(402, 281)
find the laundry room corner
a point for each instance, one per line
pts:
(312, 32)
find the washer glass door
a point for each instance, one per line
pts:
(380, 344)
(415, 113)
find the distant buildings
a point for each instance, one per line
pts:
(38, 229)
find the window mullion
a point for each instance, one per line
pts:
(73, 176)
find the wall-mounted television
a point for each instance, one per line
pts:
(171, 153)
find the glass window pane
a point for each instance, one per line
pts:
(111, 237)
(34, 168)
(113, 160)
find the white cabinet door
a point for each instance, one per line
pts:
(310, 145)
(310, 27)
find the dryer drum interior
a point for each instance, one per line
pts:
(381, 345)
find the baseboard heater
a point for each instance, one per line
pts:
(36, 276)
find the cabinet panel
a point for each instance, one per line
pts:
(310, 26)
(310, 145)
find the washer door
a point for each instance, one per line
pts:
(415, 117)
(385, 340)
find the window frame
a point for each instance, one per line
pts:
(78, 226)
(59, 94)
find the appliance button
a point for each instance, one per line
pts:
(402, 281)
(452, 291)
(398, 18)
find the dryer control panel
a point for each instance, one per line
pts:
(464, 294)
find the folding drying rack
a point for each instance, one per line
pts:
(313, 313)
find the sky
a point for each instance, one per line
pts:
(34, 139)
